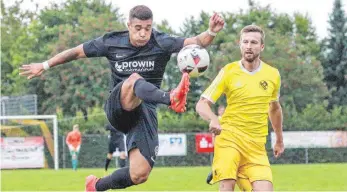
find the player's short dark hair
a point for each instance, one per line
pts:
(254, 28)
(141, 12)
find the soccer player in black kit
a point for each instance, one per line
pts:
(137, 57)
(116, 140)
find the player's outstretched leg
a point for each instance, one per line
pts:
(137, 173)
(178, 96)
(91, 182)
(176, 99)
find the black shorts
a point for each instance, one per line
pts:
(116, 141)
(139, 125)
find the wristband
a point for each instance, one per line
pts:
(211, 33)
(45, 65)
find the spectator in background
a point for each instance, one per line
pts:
(73, 141)
(116, 140)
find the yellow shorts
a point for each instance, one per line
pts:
(244, 184)
(240, 158)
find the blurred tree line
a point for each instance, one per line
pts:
(314, 72)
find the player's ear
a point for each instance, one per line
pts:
(128, 24)
(262, 47)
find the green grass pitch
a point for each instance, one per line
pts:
(311, 177)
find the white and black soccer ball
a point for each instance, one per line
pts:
(193, 59)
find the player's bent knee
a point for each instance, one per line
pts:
(130, 81)
(262, 185)
(134, 77)
(227, 185)
(128, 99)
(139, 177)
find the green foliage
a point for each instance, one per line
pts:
(16, 47)
(94, 124)
(80, 88)
(84, 83)
(188, 122)
(334, 55)
(315, 117)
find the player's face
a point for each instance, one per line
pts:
(251, 46)
(140, 31)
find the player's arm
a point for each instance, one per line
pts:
(94, 48)
(205, 38)
(203, 107)
(276, 118)
(79, 140)
(36, 69)
(69, 142)
(210, 96)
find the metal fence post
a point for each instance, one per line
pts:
(306, 155)
(64, 166)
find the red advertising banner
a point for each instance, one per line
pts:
(204, 143)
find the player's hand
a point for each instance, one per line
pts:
(278, 148)
(32, 70)
(71, 148)
(216, 23)
(215, 127)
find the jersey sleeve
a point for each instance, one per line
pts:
(169, 43)
(276, 93)
(217, 88)
(96, 47)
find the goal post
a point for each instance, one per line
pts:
(40, 117)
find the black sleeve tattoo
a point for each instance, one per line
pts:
(69, 55)
(198, 41)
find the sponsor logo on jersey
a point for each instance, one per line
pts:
(263, 84)
(134, 66)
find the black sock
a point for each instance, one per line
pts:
(121, 163)
(107, 163)
(119, 179)
(150, 93)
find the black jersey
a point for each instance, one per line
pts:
(114, 133)
(149, 61)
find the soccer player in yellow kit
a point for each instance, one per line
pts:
(252, 90)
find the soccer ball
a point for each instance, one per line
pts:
(193, 59)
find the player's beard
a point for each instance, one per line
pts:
(252, 58)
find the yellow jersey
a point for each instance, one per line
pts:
(248, 97)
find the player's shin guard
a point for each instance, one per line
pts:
(119, 179)
(122, 163)
(150, 93)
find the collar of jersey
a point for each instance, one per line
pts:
(250, 72)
